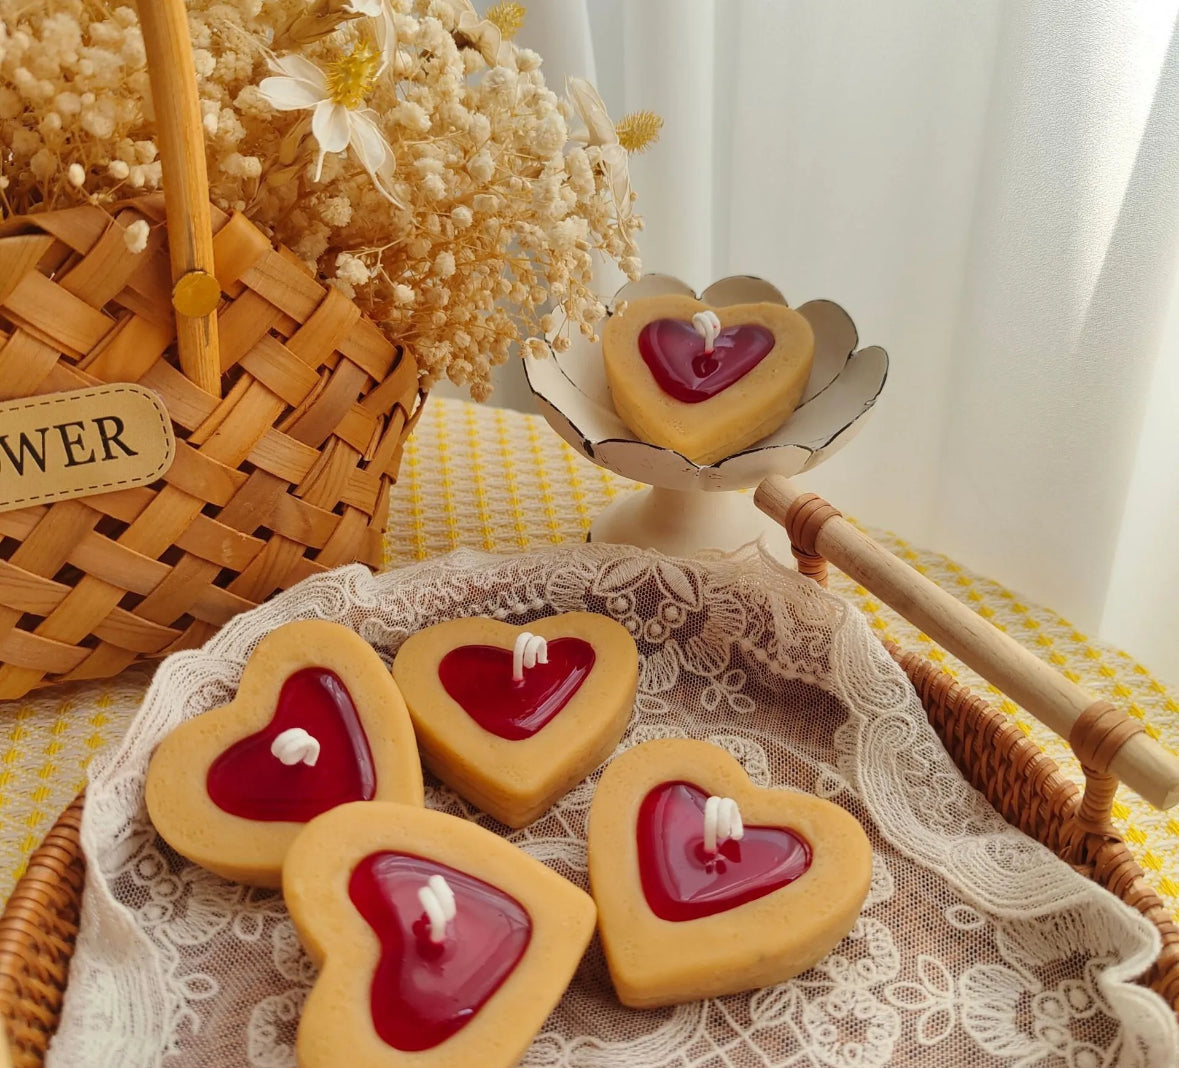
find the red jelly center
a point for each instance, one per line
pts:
(479, 678)
(424, 991)
(674, 353)
(683, 882)
(248, 780)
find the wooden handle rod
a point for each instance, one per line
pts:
(1143, 764)
(195, 293)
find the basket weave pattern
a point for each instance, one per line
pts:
(1024, 785)
(38, 927)
(37, 934)
(1030, 791)
(285, 475)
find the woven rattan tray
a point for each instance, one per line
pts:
(40, 921)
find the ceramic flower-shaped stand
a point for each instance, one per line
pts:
(689, 508)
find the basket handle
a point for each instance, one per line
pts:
(195, 291)
(1109, 744)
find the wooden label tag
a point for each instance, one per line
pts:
(98, 440)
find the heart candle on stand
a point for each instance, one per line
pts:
(705, 382)
(512, 719)
(692, 505)
(707, 885)
(683, 357)
(317, 721)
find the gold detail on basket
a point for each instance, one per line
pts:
(63, 445)
(195, 294)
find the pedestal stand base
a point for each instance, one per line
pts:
(680, 523)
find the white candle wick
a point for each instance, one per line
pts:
(529, 650)
(296, 746)
(707, 325)
(437, 900)
(722, 821)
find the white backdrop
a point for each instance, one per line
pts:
(992, 190)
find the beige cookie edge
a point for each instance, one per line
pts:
(518, 781)
(644, 953)
(251, 851)
(703, 438)
(336, 1014)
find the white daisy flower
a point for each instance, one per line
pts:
(335, 97)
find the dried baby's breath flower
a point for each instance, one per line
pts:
(507, 16)
(414, 157)
(351, 269)
(638, 130)
(136, 235)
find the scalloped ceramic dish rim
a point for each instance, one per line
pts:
(590, 444)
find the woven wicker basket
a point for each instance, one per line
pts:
(40, 921)
(289, 407)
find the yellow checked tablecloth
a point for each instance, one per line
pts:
(501, 481)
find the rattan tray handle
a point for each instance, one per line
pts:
(195, 292)
(1110, 744)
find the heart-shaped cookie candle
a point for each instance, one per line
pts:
(513, 717)
(317, 722)
(440, 945)
(706, 391)
(707, 885)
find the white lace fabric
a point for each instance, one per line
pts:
(976, 946)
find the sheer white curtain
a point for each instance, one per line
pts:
(992, 190)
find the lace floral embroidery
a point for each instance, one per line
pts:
(975, 946)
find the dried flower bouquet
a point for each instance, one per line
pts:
(406, 150)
